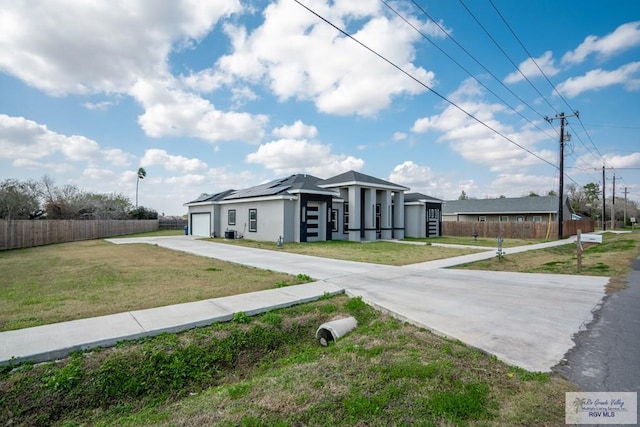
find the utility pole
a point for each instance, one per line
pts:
(604, 208)
(613, 204)
(563, 119)
(625, 207)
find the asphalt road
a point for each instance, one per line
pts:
(607, 354)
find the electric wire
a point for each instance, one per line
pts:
(495, 42)
(463, 68)
(421, 83)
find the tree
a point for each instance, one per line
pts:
(533, 194)
(141, 174)
(463, 196)
(140, 212)
(19, 199)
(552, 193)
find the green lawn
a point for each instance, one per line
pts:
(270, 371)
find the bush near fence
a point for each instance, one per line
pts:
(172, 223)
(515, 230)
(16, 234)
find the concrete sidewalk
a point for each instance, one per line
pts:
(58, 340)
(525, 319)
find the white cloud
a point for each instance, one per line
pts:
(26, 139)
(98, 174)
(421, 179)
(598, 79)
(105, 46)
(477, 142)
(36, 165)
(117, 157)
(529, 68)
(98, 106)
(169, 162)
(288, 156)
(173, 112)
(399, 136)
(303, 58)
(296, 130)
(520, 184)
(624, 37)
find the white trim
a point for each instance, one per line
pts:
(324, 193)
(366, 185)
(256, 199)
(199, 203)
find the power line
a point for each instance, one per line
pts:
(555, 89)
(446, 33)
(506, 55)
(415, 79)
(463, 68)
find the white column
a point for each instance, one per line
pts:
(385, 219)
(398, 215)
(354, 214)
(369, 214)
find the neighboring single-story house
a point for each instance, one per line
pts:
(303, 208)
(518, 209)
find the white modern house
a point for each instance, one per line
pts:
(303, 208)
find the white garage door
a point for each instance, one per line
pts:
(201, 224)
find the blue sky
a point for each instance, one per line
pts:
(213, 95)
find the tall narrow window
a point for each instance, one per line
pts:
(345, 218)
(253, 220)
(231, 217)
(378, 217)
(334, 219)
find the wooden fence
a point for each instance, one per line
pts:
(16, 234)
(172, 223)
(516, 230)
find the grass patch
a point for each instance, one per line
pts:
(610, 258)
(469, 241)
(271, 371)
(69, 281)
(379, 252)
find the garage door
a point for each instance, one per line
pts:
(201, 224)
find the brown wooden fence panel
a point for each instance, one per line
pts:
(16, 234)
(515, 230)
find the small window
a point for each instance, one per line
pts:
(334, 219)
(345, 219)
(231, 217)
(482, 218)
(537, 218)
(504, 218)
(253, 220)
(520, 219)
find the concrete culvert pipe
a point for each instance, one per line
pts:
(335, 329)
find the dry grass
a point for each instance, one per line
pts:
(76, 280)
(379, 252)
(612, 258)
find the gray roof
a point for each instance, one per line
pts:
(353, 177)
(291, 184)
(204, 197)
(416, 197)
(523, 205)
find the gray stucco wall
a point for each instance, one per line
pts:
(415, 221)
(270, 215)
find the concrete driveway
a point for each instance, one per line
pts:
(527, 320)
